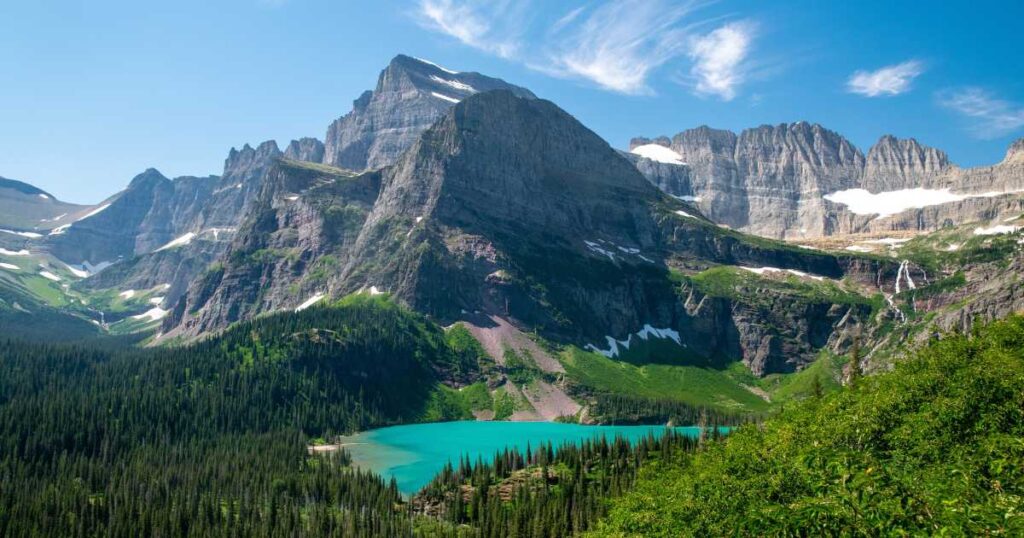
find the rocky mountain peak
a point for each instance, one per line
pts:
(641, 141)
(502, 166)
(240, 161)
(148, 179)
(799, 143)
(410, 95)
(305, 149)
(894, 163)
(1015, 153)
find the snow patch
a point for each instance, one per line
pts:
(291, 198)
(49, 276)
(44, 197)
(445, 97)
(891, 241)
(763, 270)
(80, 273)
(997, 230)
(30, 235)
(375, 291)
(682, 213)
(309, 302)
(445, 69)
(10, 266)
(646, 332)
(179, 242)
(94, 212)
(156, 300)
(687, 198)
(657, 152)
(597, 248)
(127, 294)
(453, 84)
(419, 220)
(153, 314)
(6, 252)
(884, 204)
(60, 229)
(859, 248)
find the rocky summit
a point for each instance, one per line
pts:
(410, 95)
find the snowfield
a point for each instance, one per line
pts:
(884, 204)
(617, 346)
(153, 314)
(179, 242)
(997, 230)
(445, 97)
(657, 152)
(309, 302)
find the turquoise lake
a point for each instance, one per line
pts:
(414, 453)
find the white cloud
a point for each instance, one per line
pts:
(616, 44)
(474, 23)
(619, 44)
(720, 59)
(889, 80)
(990, 116)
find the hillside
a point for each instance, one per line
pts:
(931, 448)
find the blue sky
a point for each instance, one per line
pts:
(93, 92)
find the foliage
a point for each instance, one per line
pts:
(546, 492)
(210, 439)
(935, 447)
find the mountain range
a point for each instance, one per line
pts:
(473, 201)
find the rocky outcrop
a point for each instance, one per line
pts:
(772, 180)
(410, 95)
(305, 149)
(893, 164)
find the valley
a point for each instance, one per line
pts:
(362, 336)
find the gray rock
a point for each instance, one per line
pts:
(305, 149)
(410, 95)
(771, 181)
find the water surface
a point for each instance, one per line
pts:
(414, 453)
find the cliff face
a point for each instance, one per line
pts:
(894, 164)
(410, 95)
(773, 180)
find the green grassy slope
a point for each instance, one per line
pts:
(935, 447)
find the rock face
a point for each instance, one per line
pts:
(163, 231)
(894, 164)
(26, 208)
(772, 180)
(305, 149)
(410, 95)
(509, 207)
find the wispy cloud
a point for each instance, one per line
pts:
(476, 23)
(618, 44)
(720, 59)
(615, 44)
(889, 80)
(989, 116)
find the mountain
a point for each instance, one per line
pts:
(28, 209)
(509, 215)
(410, 95)
(799, 180)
